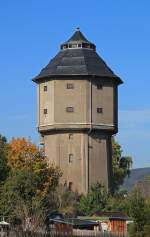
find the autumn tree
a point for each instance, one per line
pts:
(22, 153)
(25, 155)
(32, 178)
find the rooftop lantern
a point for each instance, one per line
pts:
(78, 40)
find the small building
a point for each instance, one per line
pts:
(118, 224)
(116, 221)
(75, 225)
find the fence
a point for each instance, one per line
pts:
(19, 233)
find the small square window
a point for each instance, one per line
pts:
(70, 158)
(45, 111)
(100, 110)
(70, 86)
(45, 88)
(99, 87)
(70, 136)
(70, 109)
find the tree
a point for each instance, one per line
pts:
(3, 159)
(24, 155)
(22, 199)
(95, 200)
(67, 200)
(31, 179)
(121, 166)
(138, 211)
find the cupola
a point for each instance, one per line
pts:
(78, 40)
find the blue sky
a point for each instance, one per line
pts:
(30, 34)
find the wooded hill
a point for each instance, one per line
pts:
(135, 176)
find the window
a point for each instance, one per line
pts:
(70, 186)
(70, 158)
(45, 111)
(70, 86)
(70, 136)
(99, 87)
(70, 109)
(45, 88)
(74, 45)
(100, 110)
(65, 46)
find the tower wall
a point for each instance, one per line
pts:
(82, 158)
(84, 98)
(79, 142)
(46, 101)
(103, 98)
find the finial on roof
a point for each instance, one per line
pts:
(78, 29)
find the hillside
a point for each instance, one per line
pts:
(135, 176)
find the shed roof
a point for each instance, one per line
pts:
(75, 222)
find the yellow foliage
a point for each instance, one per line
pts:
(24, 155)
(21, 152)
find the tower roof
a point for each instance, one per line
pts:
(77, 57)
(78, 36)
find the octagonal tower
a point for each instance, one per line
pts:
(78, 113)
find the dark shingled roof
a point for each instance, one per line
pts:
(79, 61)
(76, 223)
(77, 36)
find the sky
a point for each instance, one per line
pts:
(31, 32)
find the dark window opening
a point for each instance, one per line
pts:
(70, 186)
(65, 46)
(85, 45)
(100, 110)
(69, 109)
(70, 136)
(45, 111)
(99, 87)
(45, 88)
(70, 86)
